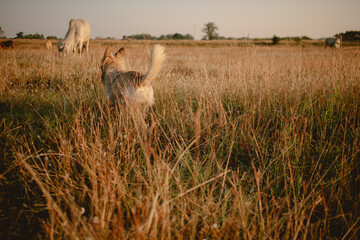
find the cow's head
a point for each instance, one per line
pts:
(337, 43)
(62, 48)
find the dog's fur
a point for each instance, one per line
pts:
(131, 87)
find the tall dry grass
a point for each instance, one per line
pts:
(247, 143)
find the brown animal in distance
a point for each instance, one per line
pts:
(48, 44)
(7, 44)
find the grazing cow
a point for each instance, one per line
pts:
(48, 45)
(7, 44)
(334, 42)
(76, 38)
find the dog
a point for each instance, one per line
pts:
(130, 87)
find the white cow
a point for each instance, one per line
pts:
(76, 38)
(334, 42)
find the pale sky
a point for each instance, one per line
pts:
(241, 18)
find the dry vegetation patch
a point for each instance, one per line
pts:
(242, 142)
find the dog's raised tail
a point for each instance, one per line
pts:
(157, 58)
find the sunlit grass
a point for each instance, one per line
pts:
(250, 142)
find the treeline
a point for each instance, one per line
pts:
(347, 36)
(350, 36)
(146, 36)
(20, 35)
(297, 38)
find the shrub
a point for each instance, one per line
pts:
(275, 40)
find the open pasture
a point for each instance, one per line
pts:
(250, 142)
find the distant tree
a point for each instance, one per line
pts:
(275, 40)
(1, 33)
(20, 35)
(349, 35)
(210, 31)
(127, 38)
(177, 36)
(37, 36)
(30, 36)
(142, 36)
(51, 37)
(306, 38)
(162, 37)
(189, 37)
(297, 39)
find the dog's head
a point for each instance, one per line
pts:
(116, 61)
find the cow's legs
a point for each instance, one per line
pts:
(87, 46)
(80, 46)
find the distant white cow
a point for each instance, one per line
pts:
(76, 38)
(48, 44)
(334, 42)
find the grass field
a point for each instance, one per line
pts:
(243, 142)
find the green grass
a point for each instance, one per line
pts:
(250, 143)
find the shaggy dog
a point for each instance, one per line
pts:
(133, 88)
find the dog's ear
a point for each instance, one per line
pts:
(107, 58)
(121, 52)
(107, 53)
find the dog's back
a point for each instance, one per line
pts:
(132, 87)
